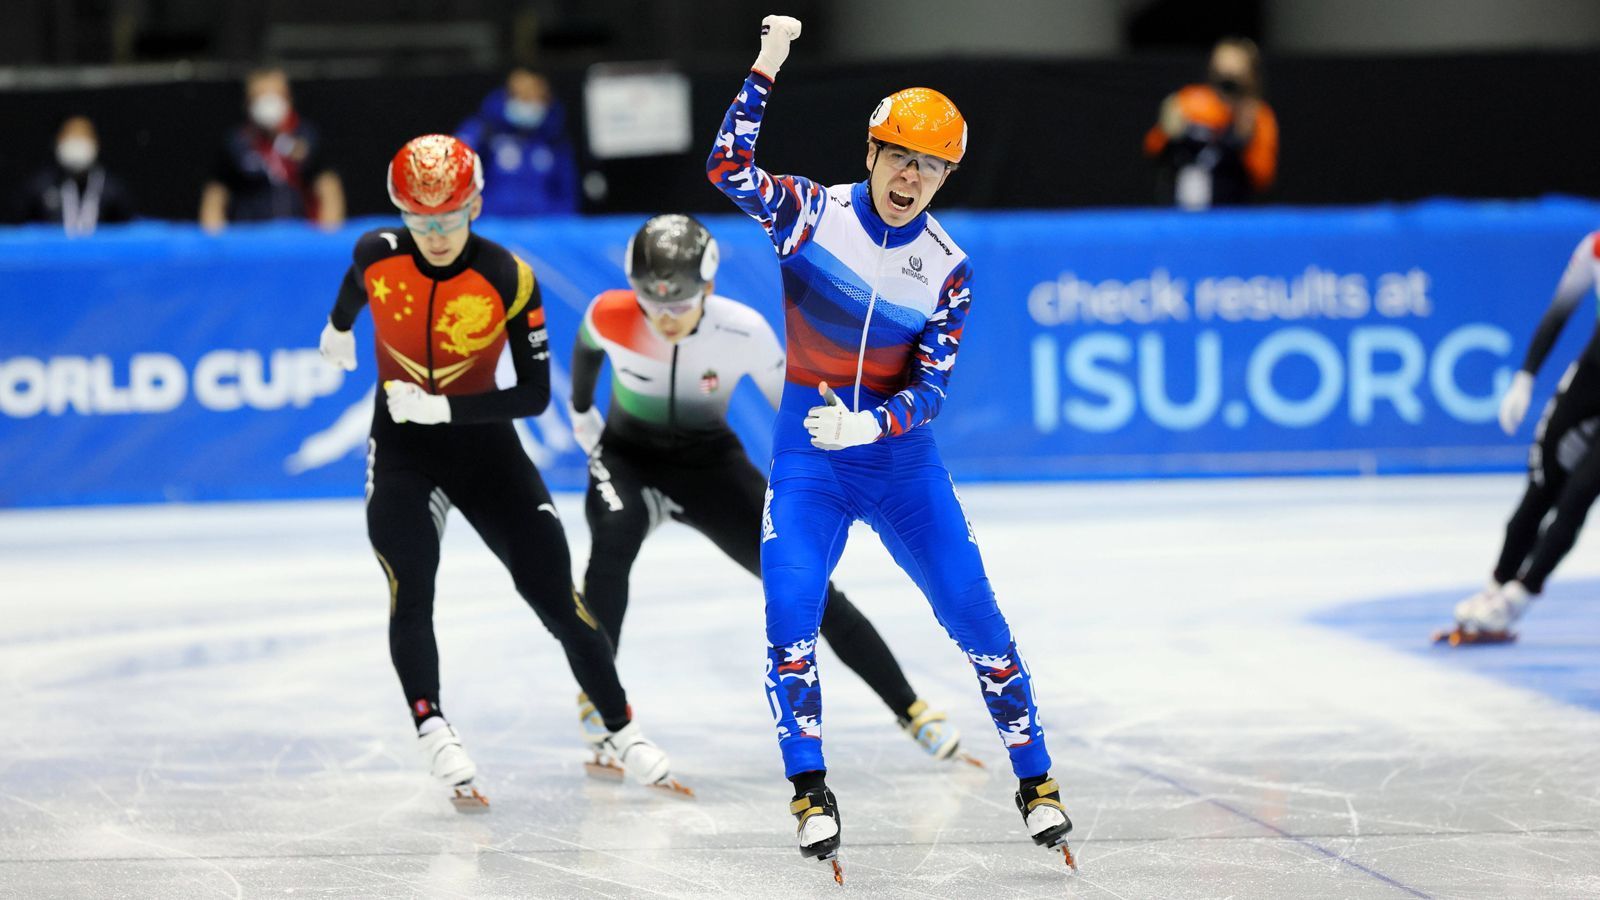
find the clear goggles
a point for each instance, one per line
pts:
(439, 223)
(676, 309)
(897, 157)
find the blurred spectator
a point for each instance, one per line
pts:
(520, 132)
(76, 192)
(1217, 143)
(271, 166)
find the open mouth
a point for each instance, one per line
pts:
(900, 202)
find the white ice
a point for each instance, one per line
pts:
(197, 702)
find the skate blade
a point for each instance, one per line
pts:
(971, 760)
(1456, 637)
(672, 787)
(838, 870)
(468, 800)
(603, 769)
(1066, 853)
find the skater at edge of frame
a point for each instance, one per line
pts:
(445, 304)
(665, 451)
(1563, 467)
(876, 296)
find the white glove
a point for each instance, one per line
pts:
(1514, 405)
(586, 428)
(408, 402)
(776, 33)
(338, 347)
(834, 427)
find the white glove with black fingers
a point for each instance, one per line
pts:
(834, 427)
(408, 402)
(1514, 405)
(586, 428)
(338, 347)
(776, 33)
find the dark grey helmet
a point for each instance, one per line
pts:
(670, 259)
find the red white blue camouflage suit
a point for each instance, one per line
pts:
(876, 312)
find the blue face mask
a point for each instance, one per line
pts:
(525, 113)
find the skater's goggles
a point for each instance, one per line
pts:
(680, 308)
(897, 157)
(439, 223)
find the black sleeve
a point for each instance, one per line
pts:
(528, 342)
(370, 247)
(352, 296)
(586, 362)
(1576, 282)
(1544, 337)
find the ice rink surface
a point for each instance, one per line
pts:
(1234, 676)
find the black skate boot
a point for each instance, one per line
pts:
(1039, 801)
(818, 827)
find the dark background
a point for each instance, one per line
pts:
(1376, 100)
(1043, 133)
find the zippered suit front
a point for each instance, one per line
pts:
(877, 313)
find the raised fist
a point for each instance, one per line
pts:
(776, 33)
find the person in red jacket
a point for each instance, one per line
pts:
(1217, 143)
(445, 305)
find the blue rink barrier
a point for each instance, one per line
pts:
(153, 362)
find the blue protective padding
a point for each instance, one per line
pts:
(1100, 344)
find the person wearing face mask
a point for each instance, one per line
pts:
(446, 304)
(76, 192)
(665, 450)
(1216, 144)
(521, 133)
(876, 296)
(271, 167)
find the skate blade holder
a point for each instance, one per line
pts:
(603, 768)
(606, 769)
(1456, 637)
(827, 851)
(1066, 853)
(973, 761)
(832, 859)
(468, 800)
(672, 787)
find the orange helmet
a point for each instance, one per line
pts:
(434, 173)
(920, 119)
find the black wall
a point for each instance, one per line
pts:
(1044, 134)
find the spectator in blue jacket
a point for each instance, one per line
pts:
(520, 132)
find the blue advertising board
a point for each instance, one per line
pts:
(152, 362)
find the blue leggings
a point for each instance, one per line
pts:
(901, 488)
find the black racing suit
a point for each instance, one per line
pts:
(1563, 465)
(445, 329)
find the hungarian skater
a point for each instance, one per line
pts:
(665, 451)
